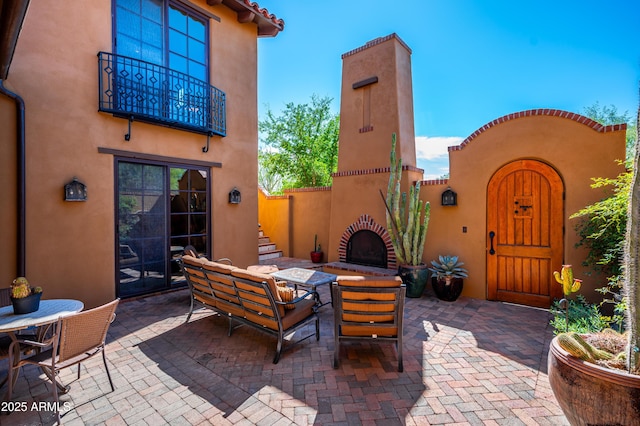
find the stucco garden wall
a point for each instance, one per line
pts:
(575, 150)
(310, 216)
(274, 213)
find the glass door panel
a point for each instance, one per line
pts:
(142, 228)
(189, 210)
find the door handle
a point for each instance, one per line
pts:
(491, 250)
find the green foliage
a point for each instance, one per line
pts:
(603, 225)
(584, 317)
(611, 297)
(602, 229)
(609, 115)
(299, 147)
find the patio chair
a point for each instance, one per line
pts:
(75, 338)
(368, 308)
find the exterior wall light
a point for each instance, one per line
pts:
(234, 196)
(75, 191)
(449, 198)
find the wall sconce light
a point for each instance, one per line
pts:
(449, 198)
(75, 191)
(235, 196)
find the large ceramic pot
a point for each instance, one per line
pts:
(592, 395)
(415, 278)
(448, 291)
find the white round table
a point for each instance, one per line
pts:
(49, 312)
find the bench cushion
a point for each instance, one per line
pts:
(221, 268)
(260, 278)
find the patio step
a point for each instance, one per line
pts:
(263, 240)
(266, 247)
(270, 255)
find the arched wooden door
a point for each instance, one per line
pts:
(524, 233)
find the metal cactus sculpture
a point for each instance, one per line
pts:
(565, 277)
(569, 285)
(631, 264)
(407, 219)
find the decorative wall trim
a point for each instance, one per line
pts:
(545, 112)
(154, 157)
(435, 182)
(375, 42)
(373, 171)
(366, 222)
(309, 189)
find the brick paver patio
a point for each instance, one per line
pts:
(468, 362)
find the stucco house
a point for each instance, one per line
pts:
(518, 179)
(124, 128)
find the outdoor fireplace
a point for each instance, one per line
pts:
(367, 243)
(367, 248)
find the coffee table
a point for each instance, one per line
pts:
(306, 278)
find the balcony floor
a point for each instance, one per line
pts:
(466, 362)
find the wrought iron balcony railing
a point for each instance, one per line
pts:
(143, 91)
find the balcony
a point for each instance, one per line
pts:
(142, 91)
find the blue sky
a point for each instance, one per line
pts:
(472, 61)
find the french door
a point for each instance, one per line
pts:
(161, 209)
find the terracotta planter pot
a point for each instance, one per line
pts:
(447, 292)
(316, 256)
(592, 395)
(415, 278)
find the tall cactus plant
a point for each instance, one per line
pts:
(632, 262)
(407, 219)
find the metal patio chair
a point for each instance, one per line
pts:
(74, 339)
(368, 308)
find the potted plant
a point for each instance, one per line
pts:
(591, 384)
(407, 222)
(24, 298)
(447, 277)
(316, 254)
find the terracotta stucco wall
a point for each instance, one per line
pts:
(71, 246)
(310, 216)
(387, 105)
(8, 170)
(274, 213)
(575, 150)
(234, 70)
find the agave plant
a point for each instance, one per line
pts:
(448, 268)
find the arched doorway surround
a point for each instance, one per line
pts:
(366, 222)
